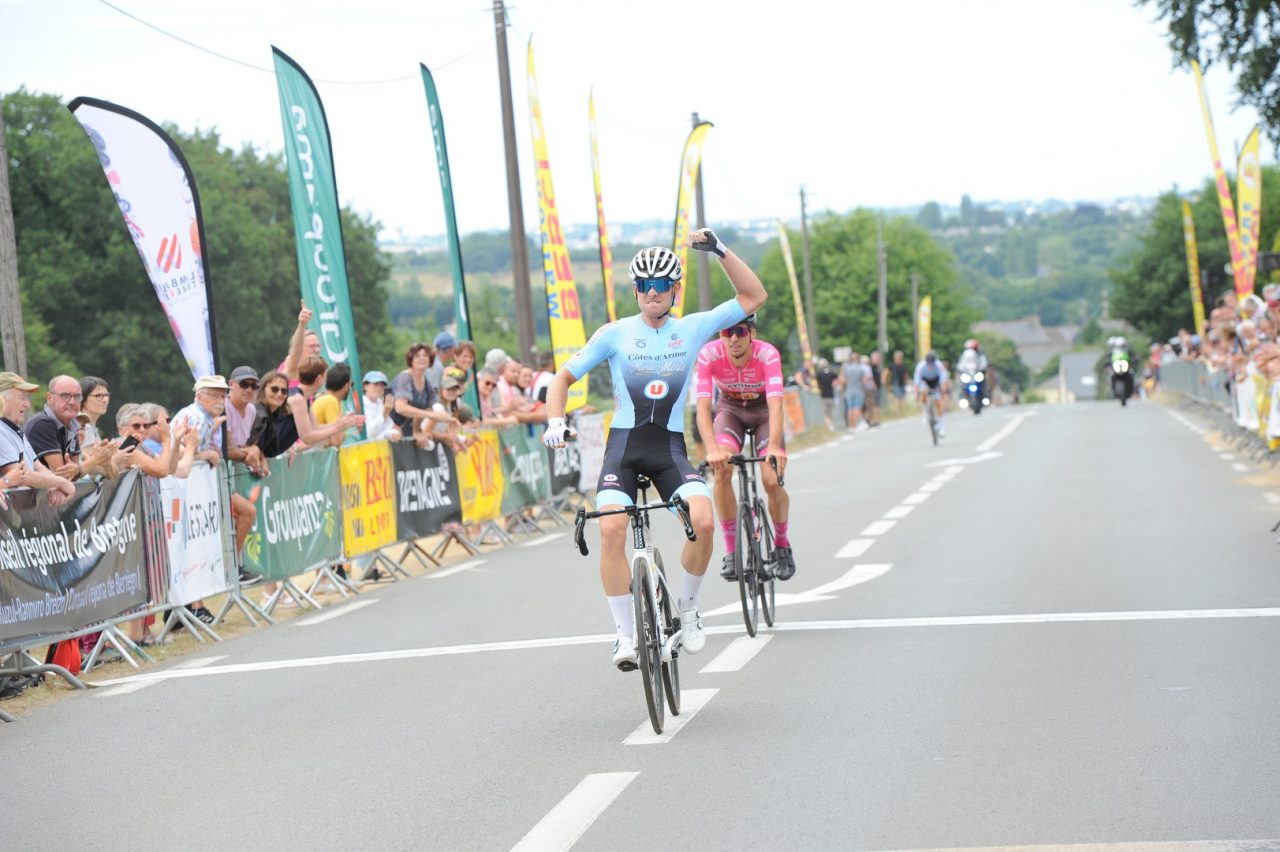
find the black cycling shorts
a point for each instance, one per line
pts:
(652, 450)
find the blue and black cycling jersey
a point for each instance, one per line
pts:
(652, 369)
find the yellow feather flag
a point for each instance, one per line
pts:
(690, 162)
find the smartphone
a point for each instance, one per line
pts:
(129, 443)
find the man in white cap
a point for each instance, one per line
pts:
(18, 466)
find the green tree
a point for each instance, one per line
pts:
(930, 217)
(1003, 355)
(1243, 34)
(82, 280)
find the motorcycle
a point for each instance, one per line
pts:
(974, 391)
(1121, 378)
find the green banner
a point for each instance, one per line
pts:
(299, 524)
(317, 226)
(461, 313)
(524, 466)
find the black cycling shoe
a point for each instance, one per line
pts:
(729, 571)
(784, 563)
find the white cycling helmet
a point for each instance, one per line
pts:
(656, 262)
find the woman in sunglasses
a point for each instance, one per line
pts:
(748, 374)
(651, 357)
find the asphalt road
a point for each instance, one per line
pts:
(1060, 627)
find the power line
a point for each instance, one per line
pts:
(266, 70)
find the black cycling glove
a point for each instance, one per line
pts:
(711, 243)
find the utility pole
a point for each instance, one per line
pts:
(884, 284)
(515, 204)
(915, 315)
(704, 260)
(808, 277)
(13, 343)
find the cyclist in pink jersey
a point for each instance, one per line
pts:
(748, 375)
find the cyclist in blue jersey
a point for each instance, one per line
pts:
(932, 386)
(651, 359)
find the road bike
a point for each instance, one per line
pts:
(754, 559)
(657, 622)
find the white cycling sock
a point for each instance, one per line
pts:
(624, 614)
(692, 584)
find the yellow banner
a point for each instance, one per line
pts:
(1193, 267)
(924, 326)
(368, 497)
(689, 165)
(564, 312)
(480, 480)
(795, 290)
(1224, 189)
(1249, 212)
(606, 253)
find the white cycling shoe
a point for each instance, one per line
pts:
(624, 654)
(692, 639)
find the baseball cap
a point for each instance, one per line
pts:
(450, 380)
(244, 373)
(373, 377)
(11, 381)
(211, 383)
(445, 340)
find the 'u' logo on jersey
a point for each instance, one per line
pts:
(656, 390)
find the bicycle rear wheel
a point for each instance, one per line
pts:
(747, 561)
(649, 641)
(670, 668)
(767, 596)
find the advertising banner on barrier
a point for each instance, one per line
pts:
(480, 479)
(565, 466)
(426, 489)
(368, 497)
(591, 433)
(524, 464)
(195, 532)
(298, 525)
(67, 567)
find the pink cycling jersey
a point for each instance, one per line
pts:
(754, 384)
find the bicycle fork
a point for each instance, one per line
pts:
(658, 592)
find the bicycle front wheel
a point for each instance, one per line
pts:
(670, 668)
(649, 641)
(768, 598)
(747, 561)
(933, 421)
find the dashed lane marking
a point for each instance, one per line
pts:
(336, 612)
(1240, 468)
(855, 548)
(916, 499)
(1005, 432)
(544, 539)
(738, 653)
(971, 460)
(573, 815)
(878, 527)
(899, 512)
(691, 701)
(456, 569)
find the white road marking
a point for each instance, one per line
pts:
(544, 539)
(186, 665)
(1002, 434)
(781, 599)
(569, 820)
(952, 471)
(336, 612)
(930, 487)
(738, 654)
(855, 575)
(899, 512)
(1240, 468)
(916, 499)
(456, 569)
(1140, 846)
(855, 548)
(878, 527)
(971, 460)
(691, 701)
(1271, 497)
(608, 638)
(1226, 457)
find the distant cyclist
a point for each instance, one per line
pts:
(932, 386)
(651, 359)
(748, 374)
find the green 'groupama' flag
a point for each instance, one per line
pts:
(313, 193)
(460, 312)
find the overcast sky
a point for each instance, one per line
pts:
(883, 104)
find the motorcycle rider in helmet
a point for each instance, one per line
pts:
(973, 361)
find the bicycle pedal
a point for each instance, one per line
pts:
(669, 647)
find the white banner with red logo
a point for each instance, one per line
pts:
(195, 529)
(157, 197)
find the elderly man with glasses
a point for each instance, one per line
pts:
(18, 466)
(55, 434)
(242, 415)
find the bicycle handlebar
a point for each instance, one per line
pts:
(676, 502)
(739, 459)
